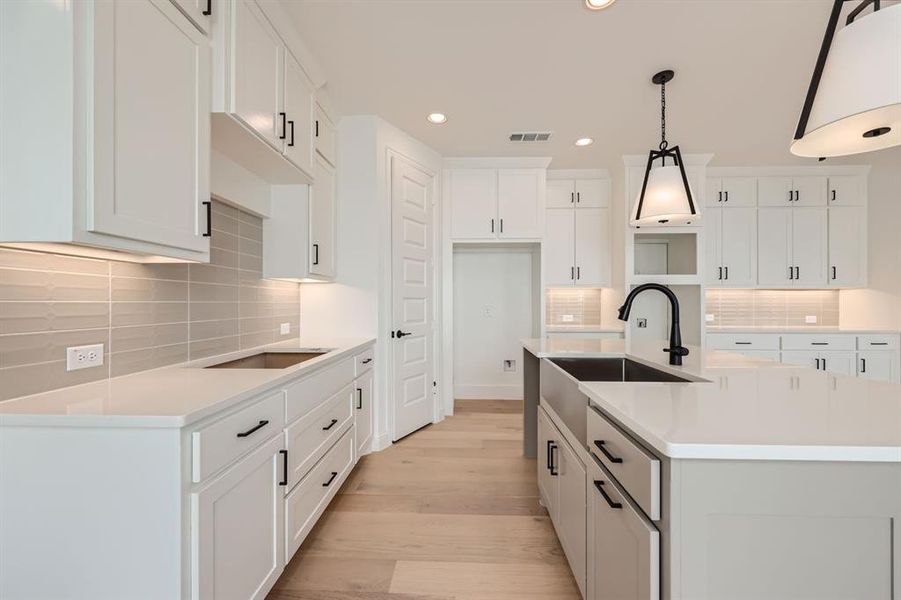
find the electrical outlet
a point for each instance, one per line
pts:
(509, 365)
(709, 318)
(810, 319)
(567, 318)
(642, 323)
(84, 357)
(284, 328)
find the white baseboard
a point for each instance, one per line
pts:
(488, 392)
(381, 442)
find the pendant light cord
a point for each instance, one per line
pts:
(663, 142)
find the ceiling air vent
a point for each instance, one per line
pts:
(530, 136)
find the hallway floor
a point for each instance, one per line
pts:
(448, 513)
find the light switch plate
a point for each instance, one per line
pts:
(84, 357)
(810, 319)
(284, 328)
(709, 318)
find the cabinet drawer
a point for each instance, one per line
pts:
(637, 470)
(308, 438)
(306, 395)
(217, 445)
(880, 341)
(306, 503)
(817, 341)
(743, 341)
(364, 360)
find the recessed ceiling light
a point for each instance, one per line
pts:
(584, 142)
(437, 118)
(598, 4)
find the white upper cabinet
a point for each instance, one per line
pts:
(127, 167)
(592, 256)
(846, 190)
(324, 135)
(561, 193)
(809, 247)
(579, 193)
(496, 204)
(519, 206)
(847, 246)
(559, 247)
(731, 246)
(198, 11)
(732, 191)
(792, 247)
(792, 191)
(774, 241)
(323, 221)
(298, 115)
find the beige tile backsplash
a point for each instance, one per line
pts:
(772, 308)
(146, 316)
(583, 305)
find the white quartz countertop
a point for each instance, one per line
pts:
(172, 396)
(798, 329)
(743, 408)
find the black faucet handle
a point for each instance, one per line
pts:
(677, 350)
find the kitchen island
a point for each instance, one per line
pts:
(726, 477)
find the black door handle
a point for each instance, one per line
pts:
(315, 254)
(600, 486)
(291, 126)
(601, 444)
(401, 334)
(209, 219)
(359, 398)
(209, 8)
(284, 480)
(330, 479)
(330, 425)
(253, 429)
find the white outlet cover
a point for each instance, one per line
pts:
(709, 318)
(810, 319)
(284, 328)
(84, 357)
(567, 318)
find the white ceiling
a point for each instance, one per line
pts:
(497, 66)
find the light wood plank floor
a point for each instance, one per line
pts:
(448, 513)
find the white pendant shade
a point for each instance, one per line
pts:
(665, 200)
(860, 90)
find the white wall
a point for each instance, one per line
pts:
(493, 310)
(359, 303)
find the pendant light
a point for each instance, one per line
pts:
(853, 104)
(665, 197)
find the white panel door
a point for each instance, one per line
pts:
(363, 398)
(713, 233)
(256, 84)
(548, 438)
(299, 115)
(151, 125)
(592, 193)
(774, 240)
(809, 248)
(739, 191)
(472, 194)
(878, 366)
(571, 522)
(519, 206)
(593, 247)
(198, 11)
(237, 528)
(713, 192)
(323, 216)
(809, 191)
(413, 294)
(561, 193)
(559, 247)
(839, 363)
(847, 246)
(845, 190)
(739, 247)
(775, 191)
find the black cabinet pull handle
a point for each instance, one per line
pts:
(879, 343)
(791, 195)
(833, 195)
(492, 225)
(601, 444)
(726, 271)
(315, 254)
(863, 365)
(291, 126)
(572, 197)
(209, 8)
(833, 272)
(367, 361)
(253, 429)
(330, 425)
(553, 467)
(578, 272)
(600, 486)
(572, 273)
(209, 219)
(818, 364)
(359, 399)
(726, 193)
(742, 343)
(283, 116)
(791, 272)
(819, 343)
(824, 364)
(578, 197)
(317, 127)
(720, 196)
(548, 461)
(720, 276)
(284, 480)
(797, 272)
(502, 225)
(330, 479)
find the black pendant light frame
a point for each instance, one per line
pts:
(664, 151)
(831, 28)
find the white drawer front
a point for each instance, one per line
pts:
(637, 470)
(817, 341)
(364, 360)
(308, 438)
(306, 395)
(308, 501)
(881, 341)
(743, 341)
(218, 444)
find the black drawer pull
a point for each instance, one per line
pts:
(253, 429)
(879, 343)
(359, 398)
(284, 480)
(367, 361)
(742, 343)
(330, 479)
(819, 343)
(330, 425)
(601, 444)
(600, 486)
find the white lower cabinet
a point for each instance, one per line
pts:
(623, 546)
(237, 524)
(878, 366)
(363, 397)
